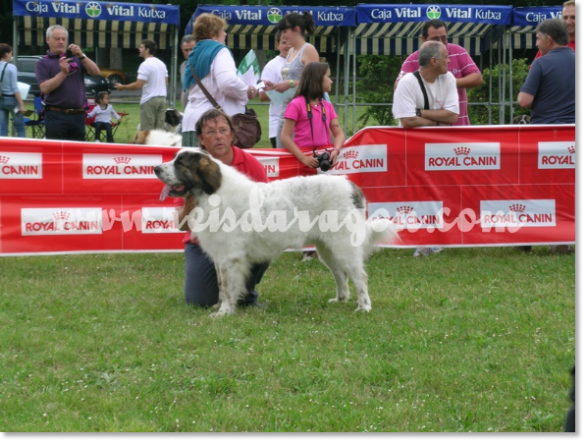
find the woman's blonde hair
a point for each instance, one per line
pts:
(207, 26)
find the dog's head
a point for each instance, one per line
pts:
(191, 172)
(522, 120)
(173, 117)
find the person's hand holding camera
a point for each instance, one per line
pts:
(74, 49)
(334, 156)
(310, 162)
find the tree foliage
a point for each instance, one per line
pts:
(379, 73)
(479, 115)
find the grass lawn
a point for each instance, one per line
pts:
(478, 339)
(127, 129)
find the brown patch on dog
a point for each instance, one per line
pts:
(140, 138)
(208, 173)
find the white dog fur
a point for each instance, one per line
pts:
(193, 173)
(157, 137)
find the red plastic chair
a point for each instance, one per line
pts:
(90, 134)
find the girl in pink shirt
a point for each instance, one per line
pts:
(310, 121)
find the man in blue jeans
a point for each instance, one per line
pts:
(61, 80)
(550, 87)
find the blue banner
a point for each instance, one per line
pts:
(93, 10)
(533, 16)
(494, 15)
(270, 15)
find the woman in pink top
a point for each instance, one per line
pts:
(310, 121)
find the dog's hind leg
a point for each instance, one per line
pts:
(359, 279)
(328, 258)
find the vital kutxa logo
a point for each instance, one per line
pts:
(433, 12)
(93, 9)
(274, 15)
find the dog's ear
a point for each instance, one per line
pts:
(209, 174)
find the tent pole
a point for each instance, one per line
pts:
(354, 57)
(346, 78)
(338, 50)
(511, 93)
(173, 92)
(490, 64)
(15, 40)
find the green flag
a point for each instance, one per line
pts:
(250, 63)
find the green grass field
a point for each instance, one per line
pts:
(127, 129)
(477, 340)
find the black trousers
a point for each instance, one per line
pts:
(201, 280)
(106, 127)
(61, 126)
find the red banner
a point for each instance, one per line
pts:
(505, 185)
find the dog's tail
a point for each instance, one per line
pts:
(378, 232)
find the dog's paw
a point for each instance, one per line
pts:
(218, 314)
(363, 309)
(334, 300)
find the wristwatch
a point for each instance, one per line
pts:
(418, 112)
(82, 56)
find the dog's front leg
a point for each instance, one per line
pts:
(232, 283)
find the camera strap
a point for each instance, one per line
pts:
(310, 118)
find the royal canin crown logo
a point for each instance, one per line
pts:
(4, 159)
(462, 151)
(61, 215)
(122, 159)
(572, 149)
(350, 154)
(517, 208)
(405, 209)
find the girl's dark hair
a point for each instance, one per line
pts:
(305, 22)
(5, 49)
(311, 84)
(101, 95)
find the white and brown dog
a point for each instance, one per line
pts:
(157, 137)
(240, 223)
(522, 120)
(169, 136)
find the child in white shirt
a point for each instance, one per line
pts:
(104, 113)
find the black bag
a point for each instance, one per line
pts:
(247, 128)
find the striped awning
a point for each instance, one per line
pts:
(263, 37)
(525, 20)
(405, 38)
(95, 33)
(254, 27)
(93, 24)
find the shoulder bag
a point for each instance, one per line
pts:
(2, 78)
(247, 128)
(425, 99)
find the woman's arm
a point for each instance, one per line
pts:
(290, 145)
(310, 54)
(339, 139)
(224, 69)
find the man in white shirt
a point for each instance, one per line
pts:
(272, 73)
(153, 79)
(440, 87)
